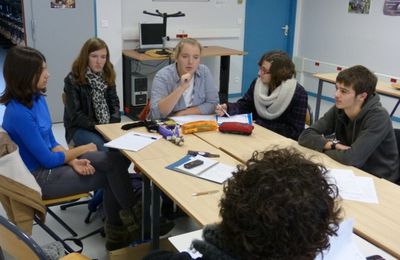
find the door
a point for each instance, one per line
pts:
(58, 33)
(269, 26)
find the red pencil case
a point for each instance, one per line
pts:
(236, 128)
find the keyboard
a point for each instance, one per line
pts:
(143, 50)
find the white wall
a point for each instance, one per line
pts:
(328, 34)
(216, 22)
(109, 28)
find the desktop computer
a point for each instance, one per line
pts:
(139, 89)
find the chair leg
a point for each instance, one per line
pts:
(68, 205)
(99, 230)
(53, 235)
(62, 223)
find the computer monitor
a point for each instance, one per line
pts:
(150, 35)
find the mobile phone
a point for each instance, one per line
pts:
(375, 257)
(193, 164)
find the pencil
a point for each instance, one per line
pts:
(204, 193)
(223, 110)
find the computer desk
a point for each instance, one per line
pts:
(382, 88)
(377, 223)
(208, 51)
(152, 161)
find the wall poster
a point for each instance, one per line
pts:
(359, 6)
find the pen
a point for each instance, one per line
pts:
(204, 193)
(223, 110)
(145, 136)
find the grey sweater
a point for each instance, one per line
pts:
(370, 136)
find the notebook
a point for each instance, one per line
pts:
(210, 170)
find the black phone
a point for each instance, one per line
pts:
(193, 164)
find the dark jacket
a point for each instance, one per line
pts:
(79, 111)
(211, 248)
(370, 136)
(290, 123)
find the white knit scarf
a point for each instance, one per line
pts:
(272, 106)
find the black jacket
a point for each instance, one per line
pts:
(79, 110)
(370, 136)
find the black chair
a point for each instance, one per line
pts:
(16, 244)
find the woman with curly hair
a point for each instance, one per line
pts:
(277, 206)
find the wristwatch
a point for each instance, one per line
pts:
(333, 144)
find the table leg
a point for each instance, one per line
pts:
(146, 201)
(155, 217)
(224, 79)
(395, 108)
(318, 101)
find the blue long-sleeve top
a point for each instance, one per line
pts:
(30, 129)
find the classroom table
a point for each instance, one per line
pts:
(151, 162)
(383, 88)
(377, 223)
(208, 51)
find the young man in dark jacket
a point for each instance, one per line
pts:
(356, 131)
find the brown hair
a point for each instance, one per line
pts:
(181, 43)
(282, 67)
(82, 62)
(359, 78)
(22, 69)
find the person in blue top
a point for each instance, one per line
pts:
(276, 100)
(185, 87)
(58, 171)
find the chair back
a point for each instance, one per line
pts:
(17, 244)
(309, 116)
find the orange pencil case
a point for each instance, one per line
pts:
(199, 126)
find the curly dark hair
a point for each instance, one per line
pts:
(279, 206)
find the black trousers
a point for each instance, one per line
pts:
(111, 175)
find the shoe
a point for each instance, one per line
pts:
(116, 237)
(132, 220)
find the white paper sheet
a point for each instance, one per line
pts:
(352, 187)
(241, 118)
(182, 242)
(132, 141)
(342, 246)
(192, 118)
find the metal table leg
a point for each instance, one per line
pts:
(318, 101)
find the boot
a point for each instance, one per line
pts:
(116, 237)
(132, 220)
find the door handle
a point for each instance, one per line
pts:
(285, 29)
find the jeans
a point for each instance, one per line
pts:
(82, 137)
(111, 174)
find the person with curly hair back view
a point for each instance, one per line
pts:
(278, 205)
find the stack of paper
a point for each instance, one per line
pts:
(241, 118)
(352, 187)
(132, 141)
